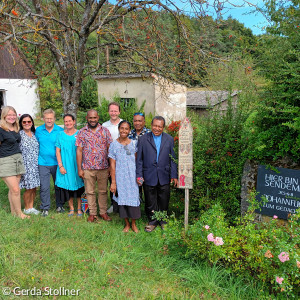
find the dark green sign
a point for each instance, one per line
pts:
(281, 189)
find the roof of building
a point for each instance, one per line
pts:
(14, 64)
(123, 75)
(206, 99)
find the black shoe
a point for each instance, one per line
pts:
(60, 210)
(45, 213)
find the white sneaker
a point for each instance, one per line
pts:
(110, 210)
(30, 211)
(35, 211)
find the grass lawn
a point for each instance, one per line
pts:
(103, 262)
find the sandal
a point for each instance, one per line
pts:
(150, 228)
(71, 213)
(79, 213)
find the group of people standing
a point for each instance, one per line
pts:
(134, 160)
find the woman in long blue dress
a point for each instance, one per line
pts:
(67, 180)
(122, 155)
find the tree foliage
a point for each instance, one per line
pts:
(277, 123)
(75, 38)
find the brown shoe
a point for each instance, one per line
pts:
(105, 217)
(92, 218)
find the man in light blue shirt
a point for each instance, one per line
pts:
(46, 135)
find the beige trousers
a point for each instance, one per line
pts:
(91, 177)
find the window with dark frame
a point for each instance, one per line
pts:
(128, 101)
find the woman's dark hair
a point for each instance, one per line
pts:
(69, 115)
(124, 121)
(21, 122)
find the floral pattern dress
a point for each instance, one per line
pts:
(30, 152)
(128, 190)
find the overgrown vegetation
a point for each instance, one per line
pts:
(268, 252)
(277, 121)
(127, 111)
(267, 131)
(219, 141)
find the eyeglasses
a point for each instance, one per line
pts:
(139, 114)
(128, 152)
(26, 122)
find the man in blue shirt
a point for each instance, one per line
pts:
(46, 135)
(155, 167)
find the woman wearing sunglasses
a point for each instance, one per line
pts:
(122, 155)
(30, 152)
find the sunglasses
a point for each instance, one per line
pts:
(139, 114)
(128, 152)
(26, 122)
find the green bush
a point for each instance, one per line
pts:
(127, 111)
(89, 94)
(267, 251)
(49, 92)
(218, 144)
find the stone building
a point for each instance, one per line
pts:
(163, 97)
(202, 101)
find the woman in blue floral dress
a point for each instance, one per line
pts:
(122, 155)
(30, 152)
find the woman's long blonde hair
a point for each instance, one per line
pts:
(3, 123)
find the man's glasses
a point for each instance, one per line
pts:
(139, 114)
(127, 150)
(26, 122)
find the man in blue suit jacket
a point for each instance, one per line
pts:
(157, 169)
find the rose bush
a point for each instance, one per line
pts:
(266, 251)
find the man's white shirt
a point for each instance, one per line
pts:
(113, 129)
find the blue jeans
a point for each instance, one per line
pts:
(45, 173)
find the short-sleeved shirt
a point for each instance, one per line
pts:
(46, 139)
(113, 129)
(134, 136)
(128, 190)
(10, 143)
(94, 147)
(69, 181)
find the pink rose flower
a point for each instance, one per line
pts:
(279, 280)
(298, 264)
(283, 256)
(210, 237)
(275, 217)
(218, 241)
(206, 227)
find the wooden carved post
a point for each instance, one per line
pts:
(185, 165)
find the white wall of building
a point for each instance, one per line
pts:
(170, 100)
(138, 88)
(22, 95)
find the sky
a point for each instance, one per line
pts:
(255, 21)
